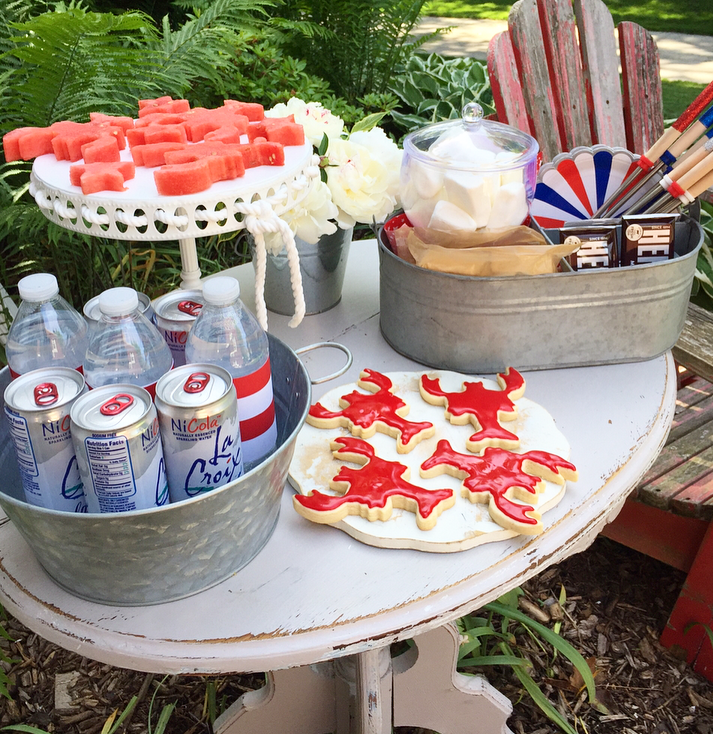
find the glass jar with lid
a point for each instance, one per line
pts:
(469, 174)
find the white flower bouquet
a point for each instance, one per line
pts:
(359, 173)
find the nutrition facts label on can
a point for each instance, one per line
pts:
(112, 473)
(23, 443)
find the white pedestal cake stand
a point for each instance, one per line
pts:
(253, 202)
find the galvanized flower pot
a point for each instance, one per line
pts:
(322, 266)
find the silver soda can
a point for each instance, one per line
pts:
(175, 314)
(92, 313)
(198, 413)
(118, 445)
(37, 405)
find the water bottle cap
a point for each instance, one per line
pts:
(118, 301)
(221, 290)
(38, 287)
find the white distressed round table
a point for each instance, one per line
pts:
(320, 609)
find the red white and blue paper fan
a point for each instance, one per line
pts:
(574, 185)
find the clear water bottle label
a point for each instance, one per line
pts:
(256, 408)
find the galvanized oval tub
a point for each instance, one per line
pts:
(569, 319)
(163, 554)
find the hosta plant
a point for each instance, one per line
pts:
(433, 88)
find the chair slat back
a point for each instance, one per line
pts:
(555, 74)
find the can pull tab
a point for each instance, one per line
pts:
(196, 382)
(120, 402)
(46, 394)
(190, 307)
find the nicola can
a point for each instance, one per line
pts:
(198, 415)
(175, 314)
(117, 441)
(37, 406)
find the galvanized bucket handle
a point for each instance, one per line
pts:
(334, 345)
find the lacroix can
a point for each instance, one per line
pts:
(92, 312)
(198, 415)
(118, 445)
(175, 314)
(37, 405)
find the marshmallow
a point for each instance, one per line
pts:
(512, 176)
(509, 206)
(471, 193)
(448, 217)
(420, 212)
(461, 149)
(426, 179)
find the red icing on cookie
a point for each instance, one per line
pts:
(365, 410)
(480, 406)
(373, 485)
(498, 473)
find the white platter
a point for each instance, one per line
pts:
(463, 526)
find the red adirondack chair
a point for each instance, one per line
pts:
(555, 75)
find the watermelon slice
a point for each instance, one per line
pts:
(158, 102)
(94, 177)
(25, 143)
(165, 134)
(225, 162)
(225, 134)
(253, 111)
(102, 150)
(277, 130)
(162, 118)
(125, 123)
(154, 154)
(173, 106)
(183, 179)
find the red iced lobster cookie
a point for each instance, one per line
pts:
(482, 407)
(500, 476)
(378, 410)
(372, 491)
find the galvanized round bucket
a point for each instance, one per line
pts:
(163, 554)
(322, 266)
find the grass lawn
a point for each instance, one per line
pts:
(677, 96)
(677, 16)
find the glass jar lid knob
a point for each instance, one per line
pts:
(472, 113)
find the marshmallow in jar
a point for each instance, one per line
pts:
(468, 174)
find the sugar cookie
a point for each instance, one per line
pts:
(482, 407)
(499, 477)
(378, 410)
(372, 491)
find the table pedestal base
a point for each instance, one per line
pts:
(370, 693)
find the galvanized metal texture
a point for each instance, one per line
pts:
(322, 266)
(482, 325)
(153, 556)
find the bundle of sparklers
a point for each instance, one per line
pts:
(682, 161)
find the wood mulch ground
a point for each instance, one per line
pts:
(617, 603)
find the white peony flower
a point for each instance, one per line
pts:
(309, 220)
(315, 119)
(363, 176)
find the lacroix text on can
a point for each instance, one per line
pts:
(198, 415)
(37, 405)
(175, 314)
(118, 445)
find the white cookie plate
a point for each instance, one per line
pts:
(464, 525)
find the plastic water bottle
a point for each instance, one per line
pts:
(227, 334)
(125, 347)
(46, 331)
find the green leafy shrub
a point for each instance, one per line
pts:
(702, 290)
(356, 45)
(432, 89)
(62, 65)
